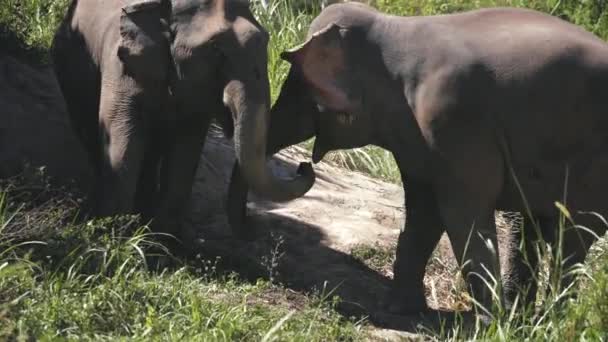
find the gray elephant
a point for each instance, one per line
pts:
(483, 110)
(143, 80)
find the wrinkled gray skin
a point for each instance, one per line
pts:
(467, 103)
(143, 80)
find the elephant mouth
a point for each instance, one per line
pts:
(318, 152)
(324, 141)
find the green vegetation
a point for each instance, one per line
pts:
(27, 27)
(60, 279)
(95, 281)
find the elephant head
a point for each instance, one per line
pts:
(330, 101)
(220, 57)
(320, 98)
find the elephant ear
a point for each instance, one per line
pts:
(144, 38)
(321, 62)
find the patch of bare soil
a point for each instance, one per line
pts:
(339, 239)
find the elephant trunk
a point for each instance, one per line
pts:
(292, 118)
(251, 109)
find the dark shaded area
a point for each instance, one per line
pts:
(11, 45)
(292, 253)
(34, 127)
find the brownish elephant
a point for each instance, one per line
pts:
(143, 80)
(474, 107)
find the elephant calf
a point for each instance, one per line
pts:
(143, 79)
(473, 106)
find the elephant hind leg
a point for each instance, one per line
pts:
(467, 200)
(472, 233)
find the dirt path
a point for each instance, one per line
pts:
(313, 234)
(308, 243)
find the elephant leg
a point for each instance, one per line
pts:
(148, 194)
(467, 208)
(178, 177)
(147, 198)
(423, 229)
(472, 233)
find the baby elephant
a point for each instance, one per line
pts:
(483, 110)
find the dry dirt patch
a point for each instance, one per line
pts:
(339, 237)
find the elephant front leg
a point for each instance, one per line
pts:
(148, 195)
(423, 229)
(178, 177)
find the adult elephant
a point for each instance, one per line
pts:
(488, 109)
(143, 80)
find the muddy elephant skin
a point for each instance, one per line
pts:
(473, 106)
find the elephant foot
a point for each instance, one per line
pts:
(404, 302)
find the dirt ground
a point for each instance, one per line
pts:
(307, 244)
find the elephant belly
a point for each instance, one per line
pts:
(581, 183)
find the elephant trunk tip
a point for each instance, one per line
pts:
(251, 110)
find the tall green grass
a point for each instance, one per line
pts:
(33, 21)
(575, 313)
(96, 280)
